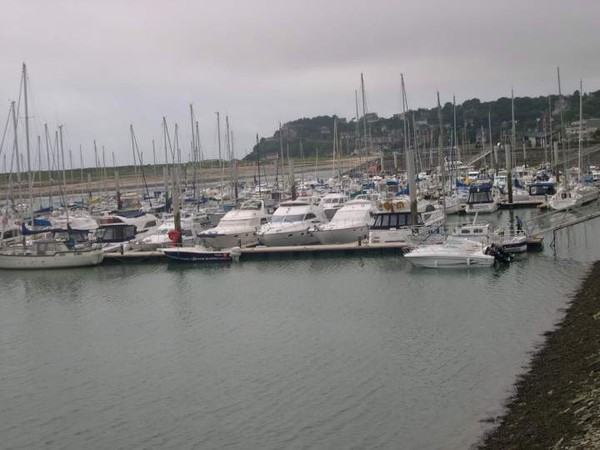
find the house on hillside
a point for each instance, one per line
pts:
(588, 128)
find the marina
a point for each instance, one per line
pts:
(358, 348)
(324, 308)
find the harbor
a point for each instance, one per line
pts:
(252, 353)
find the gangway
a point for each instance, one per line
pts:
(557, 220)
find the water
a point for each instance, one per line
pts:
(320, 352)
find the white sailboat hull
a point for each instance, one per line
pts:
(60, 260)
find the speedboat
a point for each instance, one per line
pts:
(238, 227)
(349, 224)
(456, 253)
(199, 253)
(483, 232)
(293, 224)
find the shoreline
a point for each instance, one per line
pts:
(556, 403)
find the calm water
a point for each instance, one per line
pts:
(317, 353)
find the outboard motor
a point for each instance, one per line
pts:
(498, 253)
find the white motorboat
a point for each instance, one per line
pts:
(454, 253)
(349, 224)
(143, 221)
(164, 236)
(115, 237)
(332, 202)
(292, 224)
(238, 227)
(483, 232)
(49, 254)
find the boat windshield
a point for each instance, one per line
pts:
(480, 197)
(288, 218)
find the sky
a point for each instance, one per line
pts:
(101, 67)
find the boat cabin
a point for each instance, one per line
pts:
(393, 220)
(48, 247)
(480, 193)
(115, 232)
(542, 188)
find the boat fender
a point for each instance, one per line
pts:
(174, 236)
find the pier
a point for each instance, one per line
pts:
(263, 252)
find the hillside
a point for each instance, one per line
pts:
(310, 137)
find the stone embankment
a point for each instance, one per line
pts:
(556, 404)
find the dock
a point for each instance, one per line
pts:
(263, 252)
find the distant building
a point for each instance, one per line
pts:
(588, 128)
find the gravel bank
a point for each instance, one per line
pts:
(556, 404)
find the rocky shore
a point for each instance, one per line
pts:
(556, 404)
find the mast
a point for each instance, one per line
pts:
(194, 150)
(580, 128)
(16, 144)
(509, 152)
(49, 165)
(357, 130)
(62, 156)
(29, 173)
(562, 128)
(410, 159)
(441, 160)
(455, 152)
(280, 165)
(220, 158)
(258, 164)
(364, 108)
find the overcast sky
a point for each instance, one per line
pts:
(98, 66)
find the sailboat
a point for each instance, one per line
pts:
(46, 253)
(567, 196)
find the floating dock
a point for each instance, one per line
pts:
(262, 252)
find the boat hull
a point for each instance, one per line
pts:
(450, 261)
(63, 260)
(193, 254)
(288, 238)
(220, 241)
(342, 235)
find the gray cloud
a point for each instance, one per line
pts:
(99, 66)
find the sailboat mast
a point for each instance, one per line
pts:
(364, 108)
(62, 156)
(562, 128)
(16, 148)
(29, 173)
(580, 128)
(220, 158)
(441, 159)
(357, 130)
(410, 159)
(258, 164)
(509, 153)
